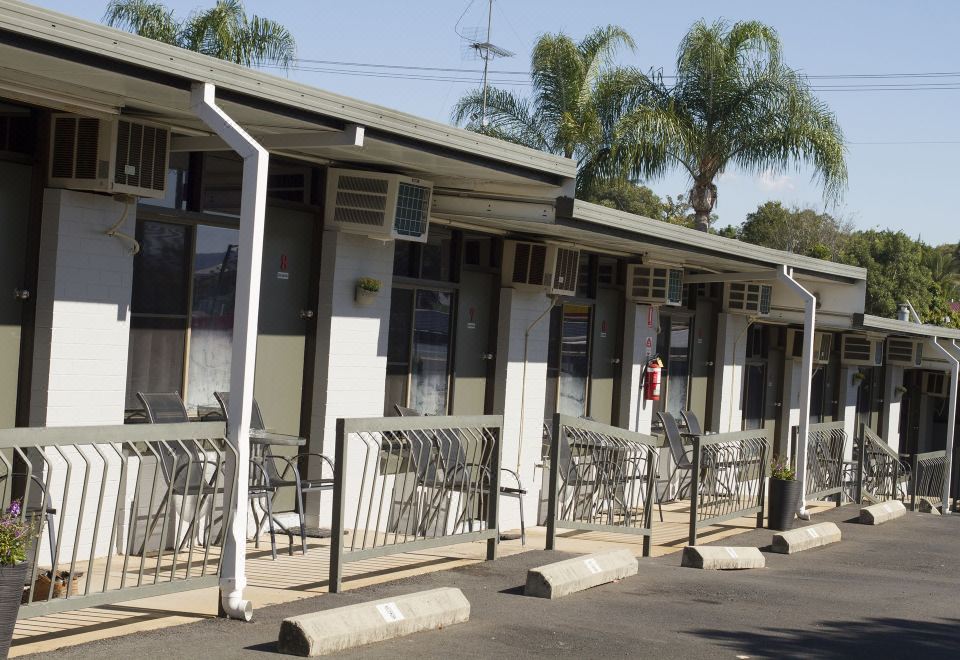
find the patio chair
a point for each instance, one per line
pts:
(290, 476)
(186, 473)
(692, 422)
(682, 462)
(455, 471)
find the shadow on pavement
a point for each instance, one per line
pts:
(869, 638)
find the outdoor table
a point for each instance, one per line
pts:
(264, 438)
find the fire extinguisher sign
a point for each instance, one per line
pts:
(649, 345)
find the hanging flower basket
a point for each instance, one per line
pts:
(366, 290)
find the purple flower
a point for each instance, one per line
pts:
(14, 508)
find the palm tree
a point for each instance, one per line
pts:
(733, 102)
(572, 111)
(224, 31)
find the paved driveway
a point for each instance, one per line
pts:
(884, 592)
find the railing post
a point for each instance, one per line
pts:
(653, 467)
(493, 506)
(553, 493)
(694, 489)
(339, 494)
(765, 466)
(914, 481)
(858, 487)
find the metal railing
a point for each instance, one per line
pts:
(881, 475)
(601, 479)
(122, 512)
(408, 483)
(728, 478)
(927, 472)
(826, 444)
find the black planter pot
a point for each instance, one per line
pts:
(12, 579)
(782, 503)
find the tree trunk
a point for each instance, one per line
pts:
(703, 196)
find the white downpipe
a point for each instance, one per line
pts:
(253, 202)
(951, 420)
(806, 365)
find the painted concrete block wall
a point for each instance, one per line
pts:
(728, 384)
(891, 408)
(520, 393)
(639, 345)
(848, 390)
(351, 355)
(81, 342)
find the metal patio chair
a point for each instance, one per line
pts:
(289, 477)
(186, 473)
(692, 422)
(682, 462)
(443, 464)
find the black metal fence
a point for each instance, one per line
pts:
(122, 512)
(601, 479)
(881, 475)
(927, 472)
(729, 478)
(408, 483)
(826, 444)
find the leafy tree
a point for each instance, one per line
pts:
(734, 103)
(574, 107)
(224, 31)
(641, 200)
(803, 231)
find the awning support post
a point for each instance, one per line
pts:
(253, 201)
(951, 421)
(785, 275)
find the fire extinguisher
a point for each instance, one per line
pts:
(651, 381)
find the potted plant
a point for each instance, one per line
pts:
(367, 290)
(15, 537)
(784, 496)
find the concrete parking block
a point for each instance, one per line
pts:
(877, 514)
(329, 631)
(724, 558)
(805, 538)
(571, 575)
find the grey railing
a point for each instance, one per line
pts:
(826, 444)
(122, 512)
(729, 478)
(601, 478)
(926, 477)
(407, 483)
(881, 475)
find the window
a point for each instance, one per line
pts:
(574, 360)
(17, 130)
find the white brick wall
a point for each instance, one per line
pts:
(351, 356)
(891, 409)
(80, 353)
(728, 386)
(640, 325)
(848, 389)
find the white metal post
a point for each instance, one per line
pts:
(806, 378)
(951, 419)
(253, 200)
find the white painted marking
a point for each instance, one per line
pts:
(592, 565)
(390, 612)
(731, 552)
(812, 532)
(282, 275)
(886, 507)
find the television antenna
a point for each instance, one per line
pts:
(485, 49)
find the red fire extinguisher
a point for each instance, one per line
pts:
(651, 382)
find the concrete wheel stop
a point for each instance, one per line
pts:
(877, 514)
(805, 538)
(722, 558)
(571, 575)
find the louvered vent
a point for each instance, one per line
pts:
(749, 298)
(566, 271)
(655, 284)
(379, 205)
(361, 201)
(904, 352)
(861, 350)
(822, 345)
(141, 156)
(535, 265)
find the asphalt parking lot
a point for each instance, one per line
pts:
(891, 591)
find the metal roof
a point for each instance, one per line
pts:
(897, 327)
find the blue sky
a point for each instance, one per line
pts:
(902, 144)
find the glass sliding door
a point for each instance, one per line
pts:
(574, 360)
(677, 329)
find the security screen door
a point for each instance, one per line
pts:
(14, 213)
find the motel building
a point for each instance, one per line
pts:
(171, 222)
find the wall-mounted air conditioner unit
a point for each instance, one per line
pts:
(822, 345)
(117, 156)
(936, 383)
(749, 298)
(384, 206)
(861, 351)
(904, 352)
(540, 266)
(654, 284)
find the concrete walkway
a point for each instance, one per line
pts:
(883, 592)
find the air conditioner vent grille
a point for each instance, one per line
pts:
(88, 140)
(141, 156)
(64, 144)
(413, 210)
(655, 284)
(536, 275)
(568, 267)
(521, 263)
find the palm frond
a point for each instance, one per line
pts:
(142, 17)
(508, 117)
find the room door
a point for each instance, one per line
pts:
(15, 181)
(474, 358)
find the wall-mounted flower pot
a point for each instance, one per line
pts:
(364, 296)
(782, 503)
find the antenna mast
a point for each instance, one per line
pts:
(487, 51)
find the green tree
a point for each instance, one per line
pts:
(641, 200)
(733, 103)
(574, 107)
(897, 270)
(803, 231)
(224, 31)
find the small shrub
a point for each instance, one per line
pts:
(368, 284)
(782, 469)
(15, 535)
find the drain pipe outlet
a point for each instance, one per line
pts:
(253, 203)
(785, 275)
